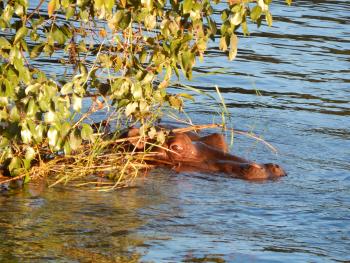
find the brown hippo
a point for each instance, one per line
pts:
(190, 152)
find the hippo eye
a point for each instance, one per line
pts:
(176, 148)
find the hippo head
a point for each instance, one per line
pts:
(208, 153)
(255, 171)
(177, 148)
(275, 170)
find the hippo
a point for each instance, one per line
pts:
(193, 153)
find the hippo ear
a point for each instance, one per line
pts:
(178, 143)
(176, 147)
(138, 143)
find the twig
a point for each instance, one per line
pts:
(213, 126)
(36, 9)
(207, 126)
(12, 179)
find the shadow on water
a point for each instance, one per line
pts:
(290, 84)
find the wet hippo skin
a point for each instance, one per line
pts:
(210, 154)
(190, 152)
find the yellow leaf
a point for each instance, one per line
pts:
(223, 45)
(123, 2)
(102, 33)
(51, 7)
(233, 47)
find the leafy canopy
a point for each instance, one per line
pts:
(121, 54)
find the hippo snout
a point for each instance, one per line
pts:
(275, 170)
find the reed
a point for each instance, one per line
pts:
(109, 164)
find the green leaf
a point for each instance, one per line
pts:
(98, 3)
(143, 106)
(26, 135)
(44, 103)
(50, 117)
(84, 16)
(152, 133)
(58, 35)
(3, 115)
(82, 47)
(32, 108)
(30, 153)
(37, 50)
(67, 149)
(150, 22)
(212, 26)
(7, 13)
(27, 177)
(38, 134)
(65, 3)
(105, 60)
(161, 137)
(245, 28)
(224, 15)
(125, 21)
(136, 91)
(187, 6)
(67, 88)
(122, 103)
(52, 136)
(4, 101)
(75, 140)
(187, 62)
(67, 30)
(236, 19)
(19, 10)
(22, 70)
(268, 17)
(256, 13)
(4, 142)
(14, 114)
(109, 4)
(86, 132)
(77, 103)
(4, 43)
(15, 163)
(70, 12)
(114, 21)
(49, 49)
(263, 5)
(175, 102)
(202, 44)
(131, 108)
(22, 32)
(65, 129)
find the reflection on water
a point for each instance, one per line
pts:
(60, 225)
(289, 83)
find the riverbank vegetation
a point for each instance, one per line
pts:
(119, 58)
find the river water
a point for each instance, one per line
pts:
(291, 85)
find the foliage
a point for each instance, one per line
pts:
(123, 55)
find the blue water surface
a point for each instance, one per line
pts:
(290, 84)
